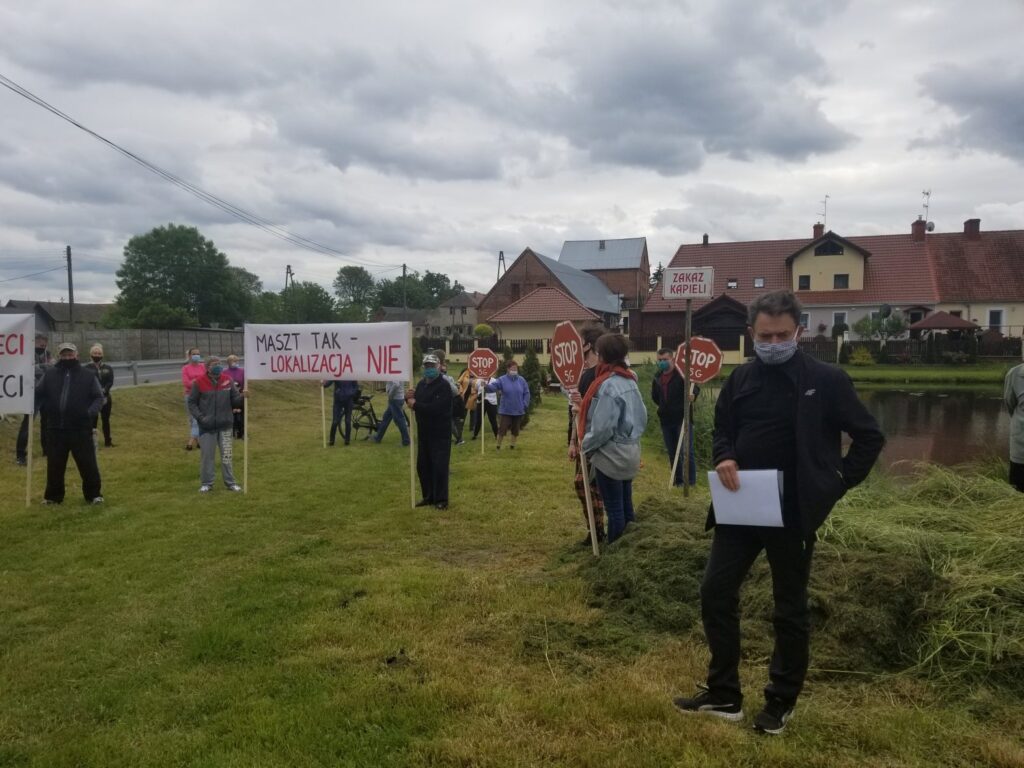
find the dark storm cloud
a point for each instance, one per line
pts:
(988, 98)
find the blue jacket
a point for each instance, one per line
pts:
(515, 395)
(344, 390)
(616, 421)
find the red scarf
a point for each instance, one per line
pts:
(604, 372)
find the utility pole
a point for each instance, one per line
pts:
(288, 275)
(71, 293)
(405, 309)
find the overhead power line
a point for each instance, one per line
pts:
(33, 274)
(250, 218)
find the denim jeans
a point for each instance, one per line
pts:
(618, 503)
(670, 433)
(393, 413)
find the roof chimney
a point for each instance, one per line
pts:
(705, 239)
(972, 229)
(917, 230)
(819, 230)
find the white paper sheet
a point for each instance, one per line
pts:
(757, 502)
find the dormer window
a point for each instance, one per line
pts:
(840, 282)
(732, 282)
(829, 248)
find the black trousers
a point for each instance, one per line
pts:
(433, 455)
(492, 415)
(1017, 476)
(104, 415)
(733, 551)
(79, 444)
(21, 444)
(238, 422)
(342, 410)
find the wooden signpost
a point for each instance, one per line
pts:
(698, 363)
(483, 364)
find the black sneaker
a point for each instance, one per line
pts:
(773, 718)
(424, 503)
(707, 703)
(21, 461)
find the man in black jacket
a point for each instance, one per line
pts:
(106, 376)
(69, 397)
(432, 404)
(783, 411)
(668, 393)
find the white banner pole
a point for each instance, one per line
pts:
(686, 391)
(412, 431)
(28, 465)
(245, 443)
(482, 395)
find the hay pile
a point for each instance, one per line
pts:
(925, 578)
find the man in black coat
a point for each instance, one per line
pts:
(106, 376)
(668, 392)
(432, 403)
(783, 411)
(69, 397)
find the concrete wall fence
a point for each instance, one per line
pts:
(124, 344)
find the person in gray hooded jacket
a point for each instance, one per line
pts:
(211, 403)
(612, 422)
(1013, 397)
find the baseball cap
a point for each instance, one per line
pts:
(67, 346)
(431, 360)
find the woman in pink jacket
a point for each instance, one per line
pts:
(192, 370)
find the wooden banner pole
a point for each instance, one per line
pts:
(585, 469)
(28, 465)
(412, 430)
(245, 442)
(686, 412)
(323, 413)
(482, 394)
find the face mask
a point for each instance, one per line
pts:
(431, 373)
(67, 363)
(775, 354)
(197, 358)
(232, 365)
(40, 350)
(513, 374)
(97, 359)
(663, 365)
(216, 370)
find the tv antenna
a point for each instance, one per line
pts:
(824, 212)
(501, 264)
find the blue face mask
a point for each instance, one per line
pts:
(217, 370)
(663, 365)
(775, 354)
(197, 358)
(431, 373)
(513, 374)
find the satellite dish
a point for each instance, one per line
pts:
(930, 226)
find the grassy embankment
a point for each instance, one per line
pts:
(980, 375)
(320, 621)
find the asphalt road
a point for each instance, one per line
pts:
(148, 372)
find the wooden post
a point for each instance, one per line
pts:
(686, 412)
(28, 465)
(323, 413)
(245, 443)
(585, 469)
(412, 431)
(683, 434)
(483, 427)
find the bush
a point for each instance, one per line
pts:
(483, 331)
(532, 373)
(861, 356)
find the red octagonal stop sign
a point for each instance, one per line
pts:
(482, 363)
(567, 355)
(705, 359)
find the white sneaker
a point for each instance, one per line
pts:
(236, 488)
(205, 488)
(97, 500)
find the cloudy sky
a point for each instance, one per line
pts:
(437, 134)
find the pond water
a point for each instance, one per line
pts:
(943, 426)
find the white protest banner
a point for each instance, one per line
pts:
(17, 364)
(688, 283)
(347, 351)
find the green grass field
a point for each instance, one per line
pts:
(319, 621)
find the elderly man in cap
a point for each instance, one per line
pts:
(106, 376)
(43, 361)
(69, 396)
(431, 401)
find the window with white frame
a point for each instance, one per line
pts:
(837, 318)
(805, 320)
(995, 319)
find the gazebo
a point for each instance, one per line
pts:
(943, 321)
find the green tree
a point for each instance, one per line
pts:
(877, 327)
(656, 276)
(506, 356)
(245, 290)
(156, 314)
(483, 331)
(356, 292)
(307, 302)
(268, 308)
(440, 287)
(417, 295)
(177, 267)
(532, 373)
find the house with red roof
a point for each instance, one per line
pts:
(975, 275)
(535, 315)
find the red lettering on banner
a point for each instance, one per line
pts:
(12, 344)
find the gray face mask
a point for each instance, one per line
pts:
(775, 354)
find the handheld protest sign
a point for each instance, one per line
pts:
(698, 363)
(567, 355)
(705, 359)
(482, 363)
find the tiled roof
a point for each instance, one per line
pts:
(585, 288)
(946, 267)
(543, 304)
(625, 253)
